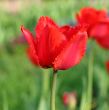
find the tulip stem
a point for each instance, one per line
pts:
(53, 90)
(90, 80)
(70, 108)
(44, 89)
(86, 101)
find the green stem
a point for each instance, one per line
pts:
(45, 83)
(53, 90)
(70, 108)
(84, 95)
(44, 89)
(87, 93)
(90, 80)
(5, 101)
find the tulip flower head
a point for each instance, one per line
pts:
(70, 99)
(98, 21)
(55, 47)
(92, 17)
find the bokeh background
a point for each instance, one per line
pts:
(21, 81)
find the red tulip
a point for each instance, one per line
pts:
(54, 46)
(90, 15)
(98, 25)
(96, 20)
(107, 66)
(70, 99)
(101, 31)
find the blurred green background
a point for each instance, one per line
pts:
(20, 81)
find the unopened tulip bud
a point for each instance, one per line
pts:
(70, 100)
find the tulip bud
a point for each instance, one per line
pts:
(70, 100)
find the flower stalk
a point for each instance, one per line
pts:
(44, 89)
(53, 91)
(86, 101)
(90, 80)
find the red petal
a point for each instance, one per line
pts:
(42, 31)
(32, 45)
(49, 45)
(65, 98)
(43, 49)
(42, 23)
(87, 15)
(33, 57)
(100, 29)
(67, 31)
(72, 53)
(29, 37)
(56, 41)
(102, 14)
(49, 41)
(90, 15)
(104, 42)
